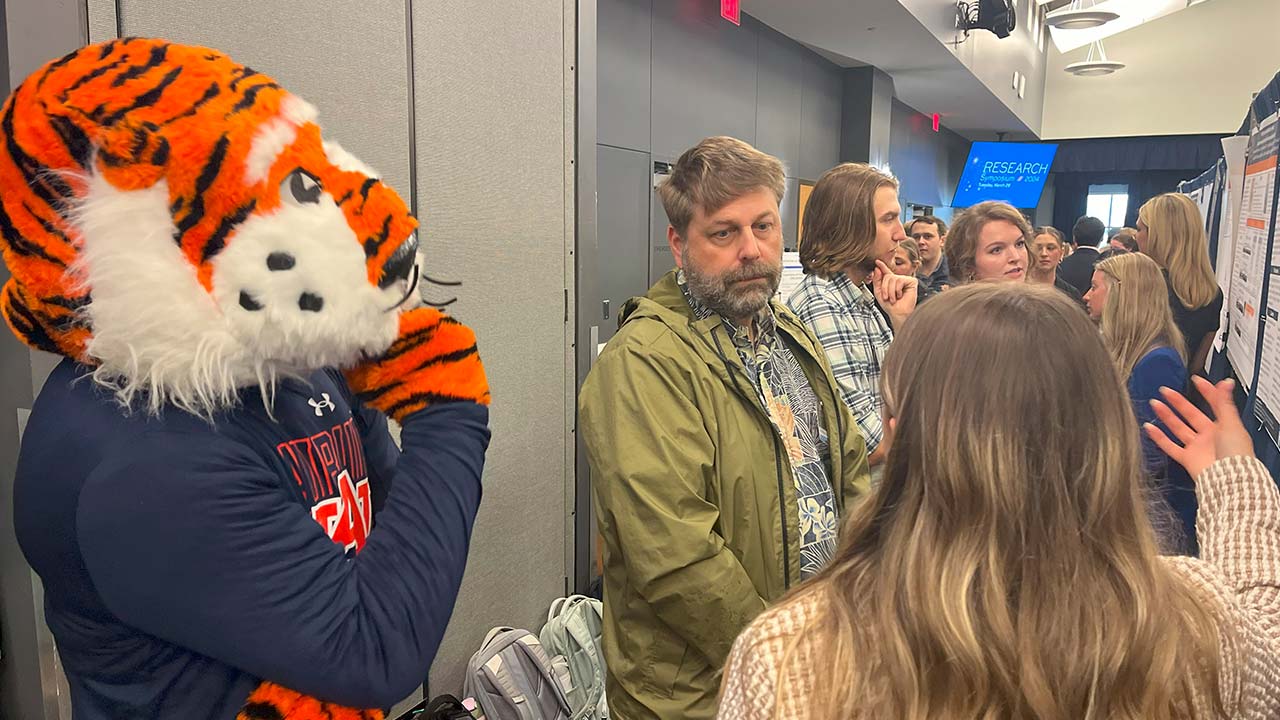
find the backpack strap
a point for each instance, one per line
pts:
(493, 634)
(560, 605)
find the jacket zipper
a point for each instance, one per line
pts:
(838, 445)
(782, 510)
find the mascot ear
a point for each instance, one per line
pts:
(133, 155)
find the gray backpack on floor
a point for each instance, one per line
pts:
(573, 630)
(512, 678)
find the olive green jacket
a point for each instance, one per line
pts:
(694, 496)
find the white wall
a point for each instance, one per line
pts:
(1188, 73)
(993, 60)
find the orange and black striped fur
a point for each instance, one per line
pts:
(174, 221)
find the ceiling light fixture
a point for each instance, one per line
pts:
(1076, 17)
(1095, 64)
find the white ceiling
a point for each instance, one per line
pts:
(926, 74)
(1132, 14)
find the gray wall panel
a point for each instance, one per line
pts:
(102, 20)
(39, 31)
(704, 77)
(623, 73)
(492, 141)
(709, 77)
(819, 119)
(350, 61)
(927, 164)
(780, 69)
(623, 230)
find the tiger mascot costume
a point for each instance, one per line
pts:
(235, 300)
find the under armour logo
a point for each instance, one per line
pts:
(320, 405)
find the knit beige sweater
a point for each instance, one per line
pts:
(1238, 576)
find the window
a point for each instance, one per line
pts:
(1108, 203)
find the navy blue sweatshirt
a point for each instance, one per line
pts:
(184, 561)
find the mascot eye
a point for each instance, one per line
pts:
(302, 187)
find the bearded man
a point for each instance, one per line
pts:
(722, 456)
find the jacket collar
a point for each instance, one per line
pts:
(941, 274)
(665, 303)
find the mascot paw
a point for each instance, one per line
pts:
(272, 702)
(433, 361)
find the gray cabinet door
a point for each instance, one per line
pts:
(622, 215)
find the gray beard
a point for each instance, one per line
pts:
(718, 294)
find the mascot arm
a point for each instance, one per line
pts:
(381, 454)
(195, 543)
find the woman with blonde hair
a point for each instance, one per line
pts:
(1171, 232)
(992, 577)
(988, 242)
(1127, 297)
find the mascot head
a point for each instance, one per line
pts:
(175, 221)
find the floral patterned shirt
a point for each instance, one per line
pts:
(784, 391)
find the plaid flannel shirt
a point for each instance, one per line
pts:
(855, 336)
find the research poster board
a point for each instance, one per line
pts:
(1251, 256)
(1197, 195)
(1205, 203)
(1234, 150)
(1257, 216)
(792, 274)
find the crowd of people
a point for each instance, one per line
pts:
(953, 475)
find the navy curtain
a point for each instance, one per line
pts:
(1071, 191)
(1148, 165)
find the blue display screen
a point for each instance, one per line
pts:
(1012, 172)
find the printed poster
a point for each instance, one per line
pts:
(792, 274)
(1234, 150)
(1251, 261)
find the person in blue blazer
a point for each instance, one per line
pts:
(1127, 297)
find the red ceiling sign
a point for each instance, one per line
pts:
(937, 122)
(730, 10)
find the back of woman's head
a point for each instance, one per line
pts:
(1136, 317)
(1005, 566)
(1175, 239)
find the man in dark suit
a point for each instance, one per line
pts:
(1077, 269)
